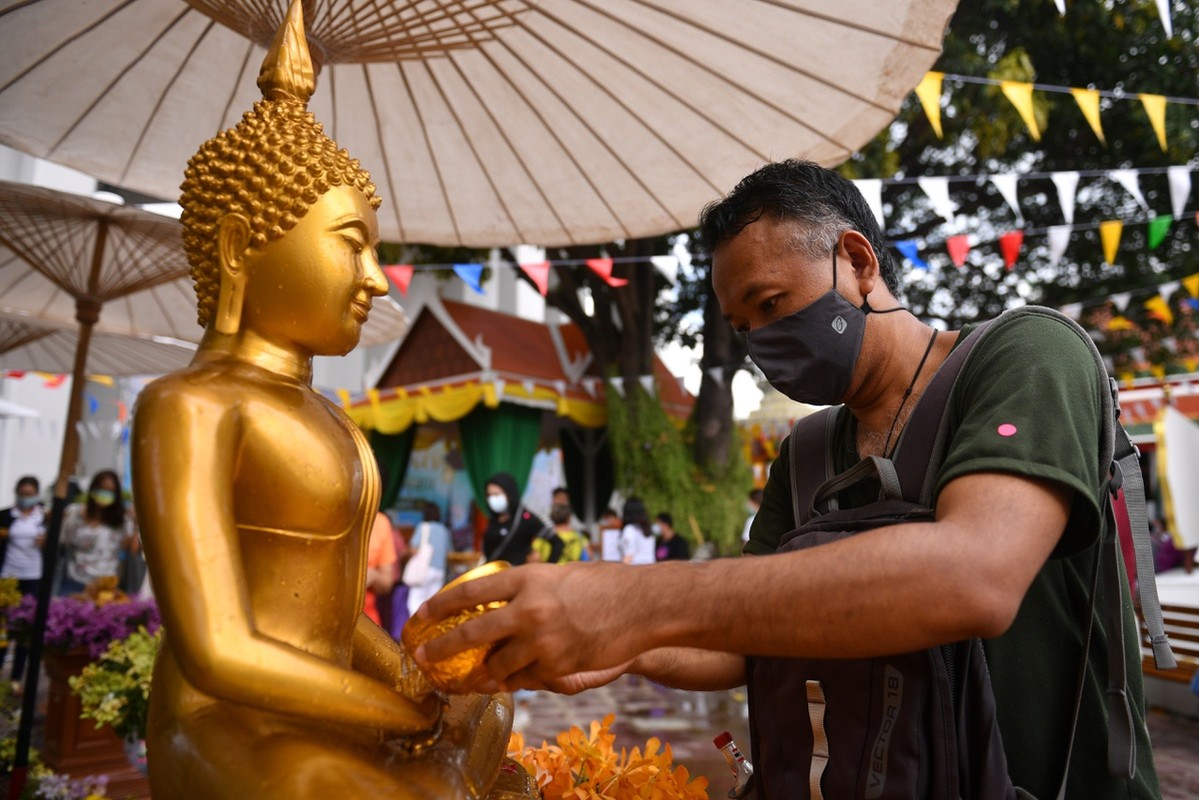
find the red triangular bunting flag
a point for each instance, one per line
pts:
(400, 275)
(538, 272)
(958, 246)
(1009, 245)
(603, 268)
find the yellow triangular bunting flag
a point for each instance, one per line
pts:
(1191, 282)
(1109, 233)
(929, 92)
(1155, 107)
(1088, 103)
(1159, 308)
(1021, 96)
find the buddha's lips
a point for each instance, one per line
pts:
(361, 309)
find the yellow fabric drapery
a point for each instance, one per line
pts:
(394, 411)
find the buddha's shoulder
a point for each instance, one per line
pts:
(220, 385)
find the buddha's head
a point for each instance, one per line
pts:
(250, 186)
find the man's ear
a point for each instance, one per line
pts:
(233, 238)
(856, 249)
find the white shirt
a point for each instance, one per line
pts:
(23, 559)
(636, 547)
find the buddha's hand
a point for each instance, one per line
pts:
(565, 627)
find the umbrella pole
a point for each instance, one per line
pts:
(87, 311)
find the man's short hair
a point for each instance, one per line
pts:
(822, 202)
(665, 517)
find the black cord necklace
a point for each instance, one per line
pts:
(908, 393)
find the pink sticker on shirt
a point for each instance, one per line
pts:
(1006, 429)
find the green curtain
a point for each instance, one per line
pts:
(575, 442)
(392, 451)
(500, 439)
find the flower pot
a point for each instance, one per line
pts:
(74, 745)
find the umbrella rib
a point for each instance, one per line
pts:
(432, 155)
(583, 121)
(224, 120)
(849, 23)
(27, 336)
(124, 71)
(162, 96)
(508, 141)
(68, 41)
(53, 278)
(474, 151)
(391, 189)
(755, 50)
(710, 119)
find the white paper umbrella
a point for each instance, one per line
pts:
(48, 347)
(484, 122)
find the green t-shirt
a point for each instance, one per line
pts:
(1026, 402)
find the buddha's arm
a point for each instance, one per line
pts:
(185, 447)
(376, 654)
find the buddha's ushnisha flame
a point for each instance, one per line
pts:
(287, 70)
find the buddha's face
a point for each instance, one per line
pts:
(314, 286)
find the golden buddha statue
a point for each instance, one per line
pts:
(256, 495)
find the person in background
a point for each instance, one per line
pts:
(511, 529)
(671, 546)
(575, 546)
(95, 533)
(382, 567)
(753, 504)
(637, 536)
(432, 534)
(609, 535)
(23, 528)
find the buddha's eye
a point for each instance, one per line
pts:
(356, 244)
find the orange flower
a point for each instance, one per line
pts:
(587, 767)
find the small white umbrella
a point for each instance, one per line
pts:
(33, 344)
(483, 122)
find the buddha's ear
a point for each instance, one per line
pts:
(233, 239)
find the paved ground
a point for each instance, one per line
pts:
(689, 721)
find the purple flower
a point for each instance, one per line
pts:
(73, 622)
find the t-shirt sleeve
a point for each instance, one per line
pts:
(1028, 403)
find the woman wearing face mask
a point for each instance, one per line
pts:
(95, 533)
(511, 528)
(24, 530)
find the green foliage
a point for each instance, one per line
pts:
(653, 462)
(115, 689)
(1108, 46)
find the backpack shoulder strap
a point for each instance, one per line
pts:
(810, 434)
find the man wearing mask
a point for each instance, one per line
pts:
(511, 528)
(801, 268)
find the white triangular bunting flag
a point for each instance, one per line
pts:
(618, 386)
(668, 266)
(716, 374)
(1128, 179)
(528, 386)
(1006, 184)
(647, 383)
(1167, 290)
(1171, 344)
(1120, 301)
(1163, 11)
(1067, 187)
(499, 389)
(1072, 310)
(937, 190)
(872, 193)
(1059, 237)
(1061, 7)
(1180, 188)
(589, 386)
(560, 388)
(115, 431)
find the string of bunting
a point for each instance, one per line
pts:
(930, 92)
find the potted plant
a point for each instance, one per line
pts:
(114, 689)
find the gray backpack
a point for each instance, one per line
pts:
(919, 724)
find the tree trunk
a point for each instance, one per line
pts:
(723, 351)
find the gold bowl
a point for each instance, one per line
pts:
(453, 674)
